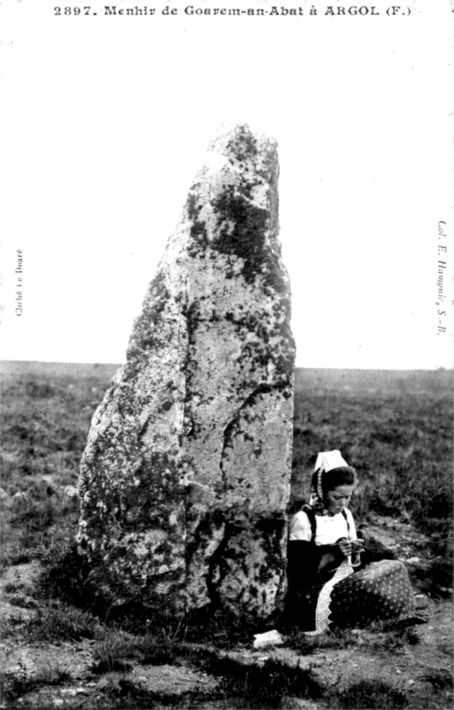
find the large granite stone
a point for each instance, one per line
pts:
(186, 475)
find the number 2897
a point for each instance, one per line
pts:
(72, 10)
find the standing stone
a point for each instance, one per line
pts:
(186, 475)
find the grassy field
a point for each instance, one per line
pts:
(46, 412)
(394, 427)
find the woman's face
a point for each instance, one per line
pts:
(337, 499)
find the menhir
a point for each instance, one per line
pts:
(185, 478)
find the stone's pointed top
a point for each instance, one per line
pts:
(232, 208)
(230, 136)
(244, 148)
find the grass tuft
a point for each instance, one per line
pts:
(57, 621)
(372, 694)
(266, 686)
(118, 651)
(53, 674)
(115, 652)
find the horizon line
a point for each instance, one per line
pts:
(297, 367)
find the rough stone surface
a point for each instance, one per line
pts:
(186, 475)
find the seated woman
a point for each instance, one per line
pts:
(323, 553)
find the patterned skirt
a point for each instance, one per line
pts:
(381, 591)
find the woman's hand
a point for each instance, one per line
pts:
(345, 546)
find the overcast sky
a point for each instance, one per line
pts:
(106, 120)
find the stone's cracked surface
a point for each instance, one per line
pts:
(185, 478)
